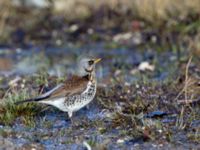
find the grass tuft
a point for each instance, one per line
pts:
(9, 111)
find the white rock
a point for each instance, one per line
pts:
(143, 66)
(122, 37)
(119, 141)
(73, 28)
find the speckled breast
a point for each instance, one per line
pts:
(76, 102)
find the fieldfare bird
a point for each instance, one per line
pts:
(74, 93)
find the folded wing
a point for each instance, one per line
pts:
(74, 85)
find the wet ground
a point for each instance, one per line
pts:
(62, 61)
(148, 94)
(139, 103)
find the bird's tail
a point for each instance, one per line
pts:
(31, 100)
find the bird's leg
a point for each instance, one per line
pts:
(70, 117)
(87, 106)
(72, 122)
(70, 114)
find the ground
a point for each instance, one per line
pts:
(148, 91)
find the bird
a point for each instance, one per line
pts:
(75, 92)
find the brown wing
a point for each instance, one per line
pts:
(74, 85)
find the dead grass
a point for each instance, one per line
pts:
(174, 16)
(158, 10)
(154, 11)
(130, 105)
(5, 10)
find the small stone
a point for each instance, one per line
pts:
(119, 141)
(137, 86)
(58, 42)
(90, 31)
(133, 71)
(73, 28)
(117, 72)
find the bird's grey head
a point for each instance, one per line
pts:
(87, 66)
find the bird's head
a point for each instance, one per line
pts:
(87, 66)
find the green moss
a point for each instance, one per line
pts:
(195, 137)
(10, 111)
(46, 123)
(42, 78)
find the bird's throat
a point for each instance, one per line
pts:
(90, 76)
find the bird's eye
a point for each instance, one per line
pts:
(91, 62)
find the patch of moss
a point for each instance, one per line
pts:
(10, 111)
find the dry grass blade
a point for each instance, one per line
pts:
(187, 79)
(187, 83)
(189, 101)
(180, 121)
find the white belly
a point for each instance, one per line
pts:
(59, 103)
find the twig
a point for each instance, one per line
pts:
(7, 91)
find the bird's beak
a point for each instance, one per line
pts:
(97, 60)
